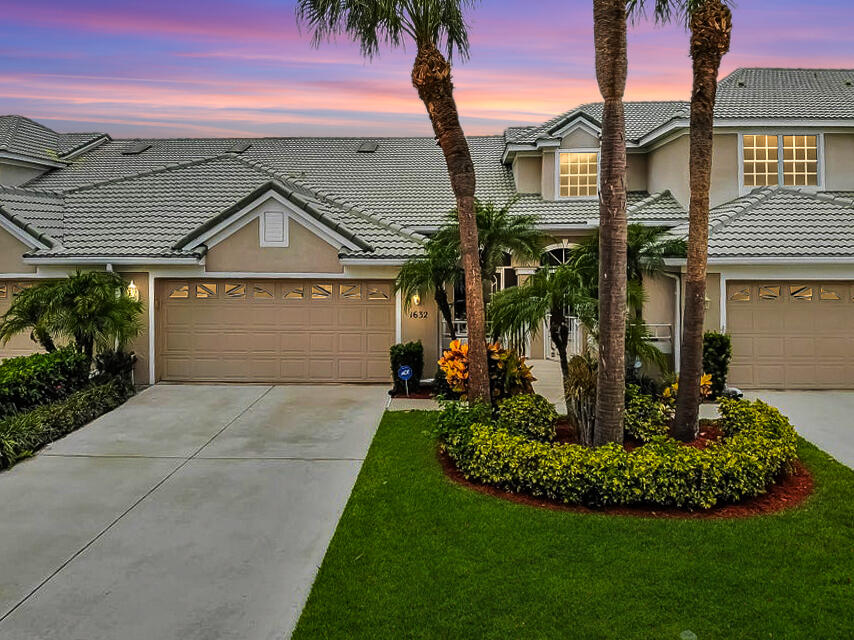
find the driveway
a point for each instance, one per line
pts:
(191, 512)
(825, 418)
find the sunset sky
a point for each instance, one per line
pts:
(193, 68)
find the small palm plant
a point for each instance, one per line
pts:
(431, 274)
(28, 312)
(499, 232)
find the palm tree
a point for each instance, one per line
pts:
(499, 232)
(94, 310)
(433, 25)
(28, 313)
(609, 35)
(710, 23)
(431, 273)
(548, 293)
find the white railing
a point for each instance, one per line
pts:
(661, 335)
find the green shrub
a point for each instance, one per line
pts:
(580, 394)
(21, 435)
(646, 417)
(457, 416)
(115, 364)
(530, 414)
(407, 353)
(441, 388)
(717, 352)
(40, 378)
(759, 446)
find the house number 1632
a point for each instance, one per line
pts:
(419, 315)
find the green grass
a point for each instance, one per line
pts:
(417, 556)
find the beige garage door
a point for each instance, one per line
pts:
(275, 330)
(20, 345)
(791, 335)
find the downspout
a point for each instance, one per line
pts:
(677, 319)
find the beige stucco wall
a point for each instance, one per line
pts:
(579, 139)
(547, 179)
(526, 174)
(14, 174)
(636, 171)
(416, 325)
(668, 169)
(11, 250)
(839, 161)
(141, 344)
(713, 295)
(242, 251)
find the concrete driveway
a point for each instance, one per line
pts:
(825, 418)
(191, 512)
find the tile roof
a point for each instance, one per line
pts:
(778, 222)
(27, 137)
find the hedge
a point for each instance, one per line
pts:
(758, 445)
(23, 434)
(40, 378)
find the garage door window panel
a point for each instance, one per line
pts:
(3, 290)
(293, 292)
(263, 292)
(321, 291)
(179, 292)
(235, 290)
(379, 292)
(769, 292)
(739, 294)
(350, 292)
(801, 293)
(830, 294)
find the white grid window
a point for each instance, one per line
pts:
(800, 160)
(761, 164)
(579, 174)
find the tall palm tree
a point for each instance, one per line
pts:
(609, 35)
(431, 274)
(434, 26)
(710, 23)
(28, 313)
(499, 232)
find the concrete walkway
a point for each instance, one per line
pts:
(825, 418)
(192, 512)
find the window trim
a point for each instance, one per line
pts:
(819, 154)
(263, 228)
(558, 153)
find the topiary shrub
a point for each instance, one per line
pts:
(40, 378)
(529, 414)
(647, 417)
(759, 445)
(23, 434)
(717, 353)
(411, 354)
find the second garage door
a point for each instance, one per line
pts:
(275, 330)
(791, 335)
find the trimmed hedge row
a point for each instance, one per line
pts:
(21, 435)
(40, 378)
(759, 444)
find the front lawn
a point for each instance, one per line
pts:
(417, 556)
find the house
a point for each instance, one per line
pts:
(272, 259)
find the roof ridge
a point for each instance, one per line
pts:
(149, 172)
(328, 198)
(652, 198)
(749, 202)
(30, 229)
(823, 196)
(24, 190)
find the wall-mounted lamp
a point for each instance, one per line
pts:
(706, 303)
(133, 291)
(416, 300)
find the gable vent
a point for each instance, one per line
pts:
(240, 147)
(136, 149)
(368, 147)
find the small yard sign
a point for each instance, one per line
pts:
(404, 372)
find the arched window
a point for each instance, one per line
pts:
(556, 254)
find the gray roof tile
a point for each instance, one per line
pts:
(29, 138)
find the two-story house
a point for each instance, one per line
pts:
(272, 259)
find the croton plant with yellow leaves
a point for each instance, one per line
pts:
(509, 375)
(705, 387)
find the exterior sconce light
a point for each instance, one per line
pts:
(133, 291)
(416, 300)
(706, 303)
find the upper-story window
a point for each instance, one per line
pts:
(771, 160)
(578, 175)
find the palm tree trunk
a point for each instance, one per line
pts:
(711, 26)
(40, 335)
(559, 331)
(431, 76)
(441, 297)
(609, 33)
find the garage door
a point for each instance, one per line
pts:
(275, 330)
(19, 345)
(791, 335)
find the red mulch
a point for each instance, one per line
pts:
(415, 395)
(789, 491)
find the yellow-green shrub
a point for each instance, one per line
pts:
(760, 444)
(529, 414)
